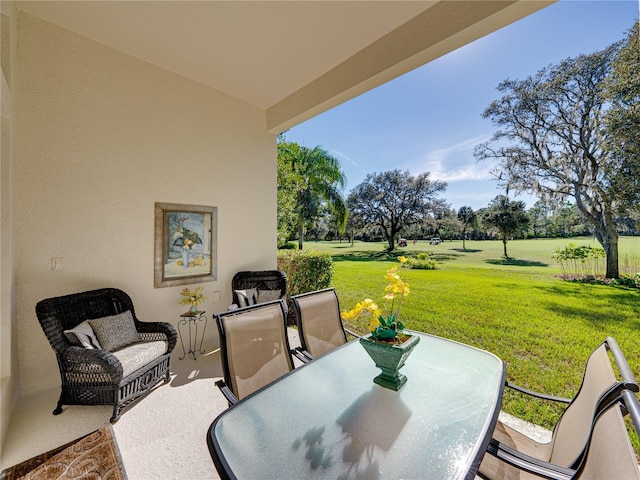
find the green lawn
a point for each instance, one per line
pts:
(543, 328)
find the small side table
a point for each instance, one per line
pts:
(195, 318)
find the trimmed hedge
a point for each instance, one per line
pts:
(306, 270)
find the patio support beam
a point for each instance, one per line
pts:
(438, 30)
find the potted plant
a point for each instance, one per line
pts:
(387, 343)
(193, 298)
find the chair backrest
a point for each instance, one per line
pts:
(255, 347)
(273, 282)
(571, 433)
(319, 322)
(62, 313)
(610, 454)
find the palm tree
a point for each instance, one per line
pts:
(318, 179)
(468, 219)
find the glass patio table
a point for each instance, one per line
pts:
(327, 419)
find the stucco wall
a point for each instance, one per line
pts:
(101, 137)
(8, 311)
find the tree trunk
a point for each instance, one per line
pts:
(390, 236)
(605, 232)
(608, 238)
(300, 231)
(504, 244)
(392, 243)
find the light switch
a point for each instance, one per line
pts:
(57, 263)
(216, 297)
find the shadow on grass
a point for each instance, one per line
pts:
(624, 298)
(468, 250)
(588, 314)
(385, 256)
(370, 256)
(443, 257)
(516, 263)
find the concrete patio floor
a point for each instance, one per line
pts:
(163, 436)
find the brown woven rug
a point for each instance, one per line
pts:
(92, 457)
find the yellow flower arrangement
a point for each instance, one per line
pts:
(385, 324)
(192, 298)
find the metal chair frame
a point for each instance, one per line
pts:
(226, 385)
(611, 395)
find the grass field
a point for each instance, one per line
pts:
(542, 327)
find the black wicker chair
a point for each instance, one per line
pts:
(265, 280)
(95, 376)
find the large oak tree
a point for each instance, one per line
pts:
(553, 141)
(394, 200)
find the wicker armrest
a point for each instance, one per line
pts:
(163, 329)
(102, 362)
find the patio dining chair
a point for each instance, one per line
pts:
(571, 433)
(319, 323)
(608, 455)
(255, 348)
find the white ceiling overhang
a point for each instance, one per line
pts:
(294, 59)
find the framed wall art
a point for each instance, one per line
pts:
(185, 244)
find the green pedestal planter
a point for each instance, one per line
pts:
(389, 358)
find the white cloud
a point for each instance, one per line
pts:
(456, 162)
(344, 158)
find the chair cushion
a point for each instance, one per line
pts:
(268, 295)
(139, 354)
(115, 331)
(83, 336)
(247, 297)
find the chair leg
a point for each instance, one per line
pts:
(116, 414)
(58, 409)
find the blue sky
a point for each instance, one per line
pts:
(430, 119)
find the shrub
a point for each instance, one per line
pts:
(628, 280)
(306, 270)
(288, 246)
(583, 260)
(422, 261)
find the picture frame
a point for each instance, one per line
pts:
(185, 249)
